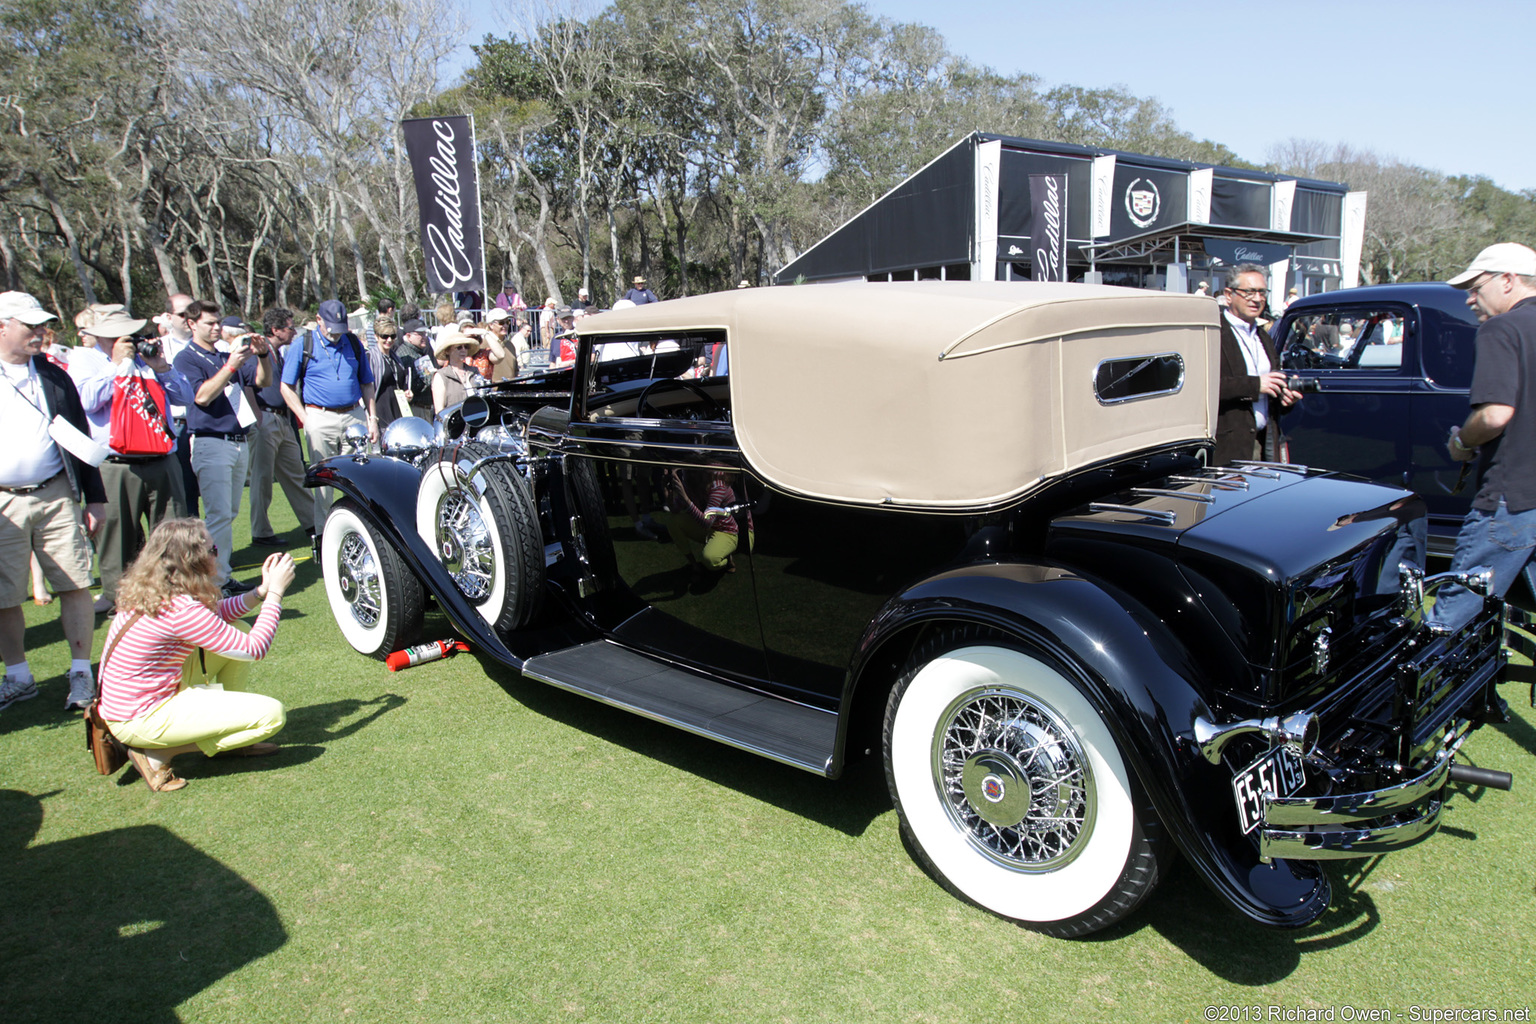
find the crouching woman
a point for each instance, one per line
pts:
(171, 633)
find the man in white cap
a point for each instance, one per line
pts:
(43, 471)
(1500, 431)
(143, 482)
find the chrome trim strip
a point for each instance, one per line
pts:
(1288, 467)
(1213, 479)
(1164, 492)
(1353, 807)
(1343, 844)
(1159, 514)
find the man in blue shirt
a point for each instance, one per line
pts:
(219, 419)
(640, 294)
(324, 392)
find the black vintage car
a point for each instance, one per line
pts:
(967, 528)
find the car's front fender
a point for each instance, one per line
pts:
(1145, 687)
(385, 491)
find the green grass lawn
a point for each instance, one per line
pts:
(453, 843)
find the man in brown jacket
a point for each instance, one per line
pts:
(1252, 385)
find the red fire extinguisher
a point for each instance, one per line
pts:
(423, 653)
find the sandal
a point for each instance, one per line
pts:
(159, 780)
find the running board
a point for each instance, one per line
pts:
(791, 734)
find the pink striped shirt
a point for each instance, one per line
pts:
(145, 668)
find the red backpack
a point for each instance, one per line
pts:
(138, 415)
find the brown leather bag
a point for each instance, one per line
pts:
(108, 752)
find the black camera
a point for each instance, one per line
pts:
(149, 348)
(1303, 384)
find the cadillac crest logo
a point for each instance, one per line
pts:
(1143, 202)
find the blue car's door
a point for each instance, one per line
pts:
(1363, 359)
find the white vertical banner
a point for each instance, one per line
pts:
(1102, 194)
(1281, 196)
(1200, 194)
(989, 158)
(1353, 241)
(1277, 272)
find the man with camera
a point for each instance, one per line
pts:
(219, 419)
(1252, 388)
(143, 483)
(276, 454)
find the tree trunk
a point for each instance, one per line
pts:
(10, 273)
(86, 288)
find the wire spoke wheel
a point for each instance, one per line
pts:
(376, 601)
(464, 544)
(1014, 779)
(358, 579)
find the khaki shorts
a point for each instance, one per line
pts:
(47, 522)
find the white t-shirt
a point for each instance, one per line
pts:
(1257, 361)
(29, 455)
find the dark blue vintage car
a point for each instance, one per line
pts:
(969, 531)
(1392, 364)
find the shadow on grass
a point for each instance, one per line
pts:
(317, 723)
(1237, 949)
(848, 804)
(119, 925)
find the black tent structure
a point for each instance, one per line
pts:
(1130, 219)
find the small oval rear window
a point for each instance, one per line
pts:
(1124, 380)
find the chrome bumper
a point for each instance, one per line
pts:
(1354, 824)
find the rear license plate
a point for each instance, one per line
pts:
(1278, 772)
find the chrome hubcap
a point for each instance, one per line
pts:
(464, 543)
(357, 577)
(1014, 779)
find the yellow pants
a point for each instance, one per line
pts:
(211, 710)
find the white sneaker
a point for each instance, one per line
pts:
(82, 690)
(14, 690)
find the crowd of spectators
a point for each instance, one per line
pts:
(129, 455)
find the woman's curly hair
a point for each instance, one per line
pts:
(177, 559)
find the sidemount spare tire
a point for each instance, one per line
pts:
(486, 533)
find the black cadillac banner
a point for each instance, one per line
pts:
(1048, 226)
(442, 155)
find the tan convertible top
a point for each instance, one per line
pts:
(945, 394)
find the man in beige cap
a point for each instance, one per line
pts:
(44, 470)
(1500, 432)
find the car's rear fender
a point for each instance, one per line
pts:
(1139, 678)
(384, 489)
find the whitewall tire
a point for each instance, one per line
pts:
(1011, 789)
(376, 601)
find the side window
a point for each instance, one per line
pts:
(1449, 348)
(676, 376)
(1358, 339)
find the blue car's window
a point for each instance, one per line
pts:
(1448, 349)
(1361, 339)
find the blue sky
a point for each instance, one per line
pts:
(1435, 84)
